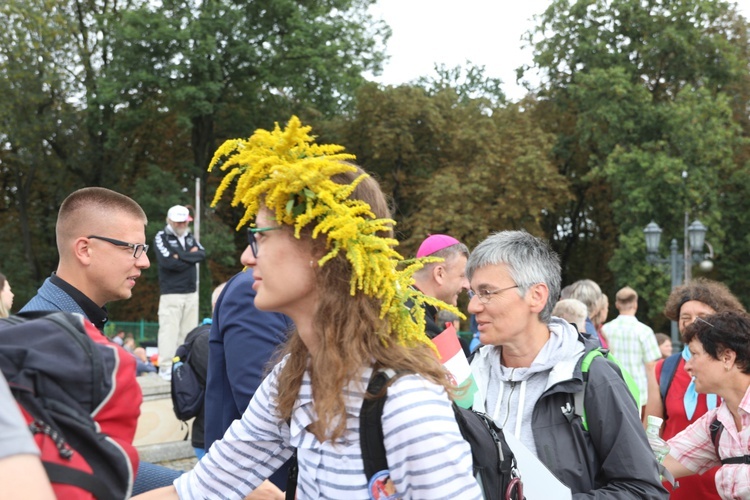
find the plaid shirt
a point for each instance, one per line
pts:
(634, 344)
(693, 448)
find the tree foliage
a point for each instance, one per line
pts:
(451, 164)
(643, 97)
(135, 95)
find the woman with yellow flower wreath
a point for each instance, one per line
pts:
(323, 254)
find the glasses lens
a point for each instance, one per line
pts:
(253, 244)
(139, 249)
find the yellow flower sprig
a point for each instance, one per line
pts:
(291, 175)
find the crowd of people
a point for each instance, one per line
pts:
(325, 302)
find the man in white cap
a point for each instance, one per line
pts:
(177, 252)
(442, 280)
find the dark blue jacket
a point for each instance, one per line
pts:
(241, 343)
(177, 270)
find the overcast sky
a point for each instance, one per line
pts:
(485, 32)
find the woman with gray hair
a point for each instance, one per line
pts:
(529, 371)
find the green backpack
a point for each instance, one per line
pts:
(580, 410)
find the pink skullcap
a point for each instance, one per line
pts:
(435, 243)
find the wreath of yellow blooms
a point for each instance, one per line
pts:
(292, 175)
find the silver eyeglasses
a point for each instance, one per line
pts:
(138, 248)
(484, 296)
(251, 237)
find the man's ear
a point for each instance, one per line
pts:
(438, 273)
(82, 251)
(537, 297)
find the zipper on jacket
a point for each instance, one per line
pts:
(510, 396)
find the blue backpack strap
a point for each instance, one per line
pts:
(668, 369)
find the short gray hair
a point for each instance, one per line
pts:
(530, 260)
(571, 310)
(587, 291)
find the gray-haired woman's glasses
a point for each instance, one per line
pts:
(484, 296)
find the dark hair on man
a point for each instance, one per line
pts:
(712, 293)
(726, 330)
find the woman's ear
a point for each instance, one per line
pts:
(728, 357)
(537, 297)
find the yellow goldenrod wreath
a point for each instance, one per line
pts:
(292, 175)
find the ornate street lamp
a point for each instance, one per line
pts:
(680, 265)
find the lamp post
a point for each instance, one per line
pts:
(680, 263)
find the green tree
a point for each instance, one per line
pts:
(53, 138)
(135, 95)
(226, 68)
(453, 165)
(644, 100)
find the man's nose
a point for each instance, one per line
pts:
(143, 261)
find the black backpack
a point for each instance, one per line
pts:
(187, 387)
(60, 379)
(494, 464)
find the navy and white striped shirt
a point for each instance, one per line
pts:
(427, 456)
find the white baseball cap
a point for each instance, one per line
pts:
(178, 213)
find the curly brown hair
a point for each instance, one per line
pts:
(351, 337)
(712, 293)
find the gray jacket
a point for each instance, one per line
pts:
(611, 460)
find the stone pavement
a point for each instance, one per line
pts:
(183, 465)
(160, 437)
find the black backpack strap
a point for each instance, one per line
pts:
(291, 480)
(716, 430)
(370, 434)
(371, 426)
(65, 475)
(668, 369)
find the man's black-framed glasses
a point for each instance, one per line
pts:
(251, 237)
(484, 296)
(138, 248)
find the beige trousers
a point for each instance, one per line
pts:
(178, 314)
